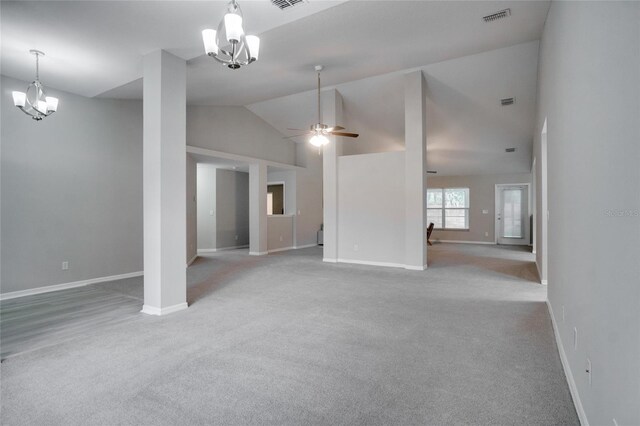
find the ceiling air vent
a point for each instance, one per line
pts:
(286, 4)
(507, 101)
(495, 16)
(510, 150)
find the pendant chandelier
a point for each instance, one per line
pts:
(34, 102)
(229, 45)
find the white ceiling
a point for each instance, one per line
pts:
(96, 47)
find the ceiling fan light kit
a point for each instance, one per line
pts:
(34, 102)
(236, 49)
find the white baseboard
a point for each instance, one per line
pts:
(192, 259)
(582, 415)
(329, 260)
(280, 249)
(57, 287)
(543, 282)
(466, 242)
(371, 263)
(415, 268)
(305, 246)
(152, 310)
(258, 253)
(215, 250)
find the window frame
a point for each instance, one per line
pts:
(443, 208)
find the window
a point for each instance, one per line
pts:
(448, 208)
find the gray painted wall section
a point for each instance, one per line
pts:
(236, 130)
(71, 188)
(206, 210)
(308, 195)
(481, 197)
(589, 92)
(232, 208)
(279, 232)
(371, 218)
(192, 214)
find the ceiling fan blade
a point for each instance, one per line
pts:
(334, 128)
(297, 136)
(300, 130)
(347, 135)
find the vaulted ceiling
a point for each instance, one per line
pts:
(95, 48)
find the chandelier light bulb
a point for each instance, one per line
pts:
(209, 39)
(318, 140)
(233, 24)
(52, 104)
(19, 98)
(253, 43)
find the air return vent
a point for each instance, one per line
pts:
(507, 101)
(286, 4)
(510, 150)
(495, 16)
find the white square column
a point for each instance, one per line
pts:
(415, 171)
(164, 183)
(258, 209)
(331, 115)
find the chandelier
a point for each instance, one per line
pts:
(228, 44)
(34, 102)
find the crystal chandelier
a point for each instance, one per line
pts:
(34, 102)
(228, 44)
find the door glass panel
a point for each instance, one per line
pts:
(512, 213)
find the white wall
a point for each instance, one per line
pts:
(589, 92)
(371, 208)
(71, 190)
(206, 207)
(236, 130)
(232, 209)
(192, 214)
(481, 197)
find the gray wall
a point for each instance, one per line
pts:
(232, 208)
(71, 189)
(589, 91)
(236, 130)
(279, 232)
(192, 214)
(206, 207)
(481, 197)
(308, 195)
(371, 200)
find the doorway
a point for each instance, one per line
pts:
(512, 214)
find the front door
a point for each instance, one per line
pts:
(512, 214)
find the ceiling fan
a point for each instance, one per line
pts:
(320, 131)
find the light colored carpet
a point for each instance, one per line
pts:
(287, 339)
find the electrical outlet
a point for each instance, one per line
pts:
(575, 338)
(281, 239)
(236, 238)
(486, 234)
(485, 211)
(588, 370)
(562, 313)
(65, 265)
(210, 212)
(299, 213)
(355, 247)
